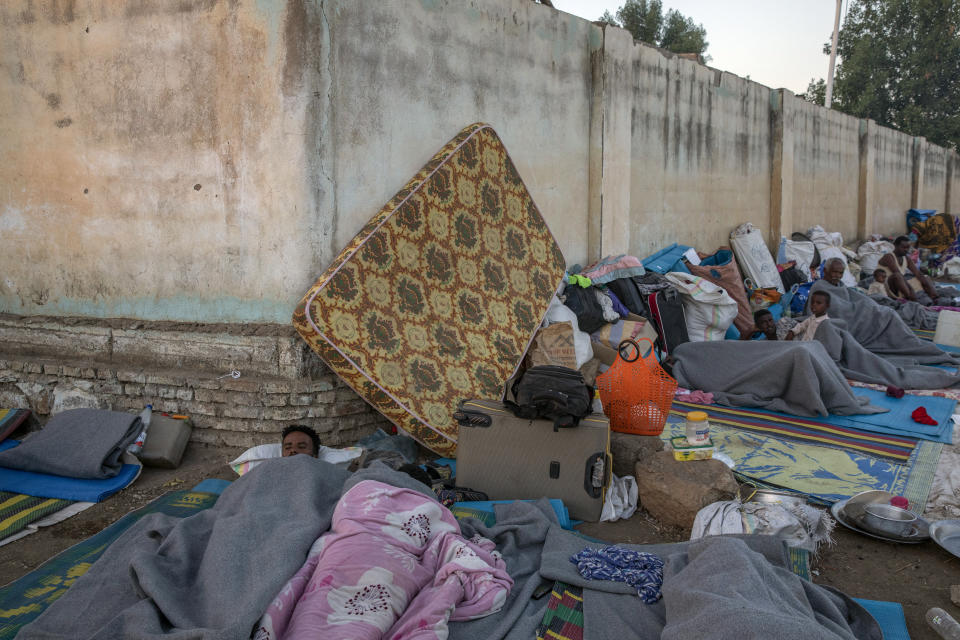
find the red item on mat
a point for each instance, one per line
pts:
(900, 501)
(895, 392)
(920, 415)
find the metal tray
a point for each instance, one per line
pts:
(921, 528)
(946, 533)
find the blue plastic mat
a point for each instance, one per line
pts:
(889, 615)
(483, 510)
(897, 421)
(45, 485)
(215, 486)
(667, 259)
(948, 348)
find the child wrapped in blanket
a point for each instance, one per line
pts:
(819, 304)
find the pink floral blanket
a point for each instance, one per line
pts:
(393, 565)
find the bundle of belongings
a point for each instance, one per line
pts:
(328, 554)
(78, 443)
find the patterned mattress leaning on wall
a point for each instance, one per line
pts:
(436, 299)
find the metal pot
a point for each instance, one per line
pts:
(889, 520)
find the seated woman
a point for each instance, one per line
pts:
(795, 377)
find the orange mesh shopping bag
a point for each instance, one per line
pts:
(636, 392)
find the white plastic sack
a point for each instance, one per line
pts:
(621, 500)
(754, 257)
(259, 454)
(801, 252)
(830, 245)
(559, 312)
(708, 308)
(870, 253)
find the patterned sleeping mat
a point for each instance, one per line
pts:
(436, 299)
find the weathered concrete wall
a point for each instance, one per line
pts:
(155, 159)
(893, 169)
(204, 160)
(700, 162)
(826, 169)
(406, 77)
(933, 187)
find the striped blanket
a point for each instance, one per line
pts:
(808, 430)
(18, 510)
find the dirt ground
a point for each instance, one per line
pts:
(917, 576)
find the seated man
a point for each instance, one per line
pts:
(819, 303)
(298, 438)
(905, 278)
(764, 327)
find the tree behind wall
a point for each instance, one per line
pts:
(900, 66)
(646, 21)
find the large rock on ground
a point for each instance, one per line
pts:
(673, 492)
(627, 450)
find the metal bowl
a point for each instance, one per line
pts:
(750, 493)
(888, 519)
(946, 533)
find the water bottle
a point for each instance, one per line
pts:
(137, 445)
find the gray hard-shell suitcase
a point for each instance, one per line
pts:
(514, 458)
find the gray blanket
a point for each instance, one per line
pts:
(857, 363)
(914, 314)
(730, 587)
(795, 377)
(879, 329)
(211, 575)
(79, 443)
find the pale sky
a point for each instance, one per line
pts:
(778, 43)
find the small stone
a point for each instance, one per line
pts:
(628, 449)
(955, 594)
(673, 492)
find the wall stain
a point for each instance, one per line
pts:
(296, 34)
(65, 122)
(141, 8)
(53, 100)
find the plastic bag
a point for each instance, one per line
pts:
(621, 499)
(870, 253)
(754, 257)
(709, 310)
(559, 312)
(798, 251)
(830, 246)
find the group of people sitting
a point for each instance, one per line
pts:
(846, 335)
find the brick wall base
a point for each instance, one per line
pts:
(48, 369)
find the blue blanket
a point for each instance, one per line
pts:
(45, 485)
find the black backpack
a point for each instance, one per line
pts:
(554, 393)
(583, 302)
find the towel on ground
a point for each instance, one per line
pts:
(794, 377)
(78, 443)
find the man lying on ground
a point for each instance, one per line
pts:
(764, 327)
(905, 277)
(297, 439)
